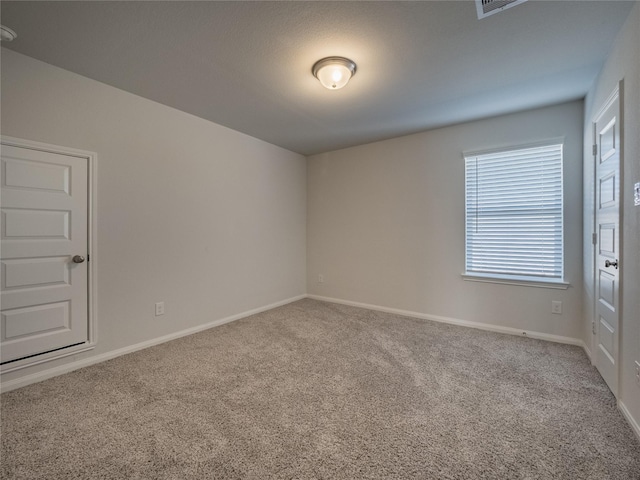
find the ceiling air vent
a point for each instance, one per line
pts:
(489, 7)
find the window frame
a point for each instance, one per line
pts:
(509, 279)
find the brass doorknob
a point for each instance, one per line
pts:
(78, 259)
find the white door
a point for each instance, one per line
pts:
(607, 221)
(44, 296)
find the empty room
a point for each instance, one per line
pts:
(320, 239)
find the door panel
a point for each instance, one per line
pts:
(43, 319)
(606, 336)
(35, 272)
(22, 173)
(607, 181)
(34, 224)
(607, 140)
(608, 190)
(606, 291)
(607, 232)
(44, 224)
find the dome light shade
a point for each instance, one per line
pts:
(334, 72)
(6, 34)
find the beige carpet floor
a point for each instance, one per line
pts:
(314, 390)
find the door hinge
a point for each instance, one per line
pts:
(593, 327)
(89, 257)
(594, 238)
(595, 150)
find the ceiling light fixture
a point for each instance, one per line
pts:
(334, 72)
(6, 34)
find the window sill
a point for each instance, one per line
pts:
(520, 281)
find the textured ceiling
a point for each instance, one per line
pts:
(247, 65)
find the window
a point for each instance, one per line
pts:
(514, 224)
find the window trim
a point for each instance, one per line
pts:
(518, 146)
(515, 280)
(521, 280)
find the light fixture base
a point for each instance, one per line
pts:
(334, 81)
(6, 34)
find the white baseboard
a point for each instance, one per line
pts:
(587, 350)
(632, 421)
(55, 371)
(456, 321)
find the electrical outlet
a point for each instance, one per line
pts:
(556, 307)
(320, 278)
(638, 373)
(159, 309)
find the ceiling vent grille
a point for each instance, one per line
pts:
(489, 7)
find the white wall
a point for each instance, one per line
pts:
(623, 63)
(206, 219)
(386, 224)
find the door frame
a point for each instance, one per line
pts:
(92, 251)
(617, 93)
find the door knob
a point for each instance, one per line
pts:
(607, 264)
(78, 259)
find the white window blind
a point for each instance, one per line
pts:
(514, 224)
